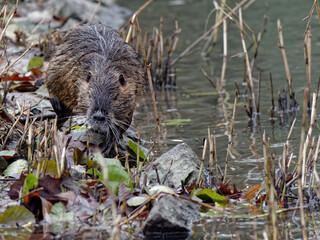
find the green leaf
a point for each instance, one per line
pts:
(133, 146)
(208, 195)
(59, 213)
(29, 183)
(7, 153)
(106, 161)
(176, 122)
(17, 214)
(116, 175)
(34, 63)
(17, 167)
(78, 127)
(137, 201)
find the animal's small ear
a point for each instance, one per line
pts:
(122, 80)
(89, 76)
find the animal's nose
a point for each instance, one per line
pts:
(99, 117)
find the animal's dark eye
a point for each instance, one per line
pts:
(122, 80)
(89, 77)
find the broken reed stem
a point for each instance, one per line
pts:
(306, 143)
(148, 66)
(249, 73)
(225, 53)
(197, 41)
(134, 18)
(284, 56)
(202, 160)
(230, 136)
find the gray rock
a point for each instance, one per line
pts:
(185, 166)
(82, 10)
(170, 215)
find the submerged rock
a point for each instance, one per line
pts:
(179, 164)
(171, 217)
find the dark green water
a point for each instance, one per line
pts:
(246, 163)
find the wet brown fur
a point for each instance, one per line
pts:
(84, 74)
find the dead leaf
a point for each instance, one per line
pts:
(251, 192)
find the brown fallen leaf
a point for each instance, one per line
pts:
(251, 192)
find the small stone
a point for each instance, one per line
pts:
(170, 215)
(185, 166)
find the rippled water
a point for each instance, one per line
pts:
(196, 100)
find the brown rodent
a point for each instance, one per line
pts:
(93, 72)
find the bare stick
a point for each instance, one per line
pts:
(230, 136)
(284, 56)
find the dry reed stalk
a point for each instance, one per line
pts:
(216, 156)
(211, 148)
(225, 54)
(138, 167)
(219, 15)
(259, 92)
(148, 71)
(259, 37)
(318, 9)
(202, 160)
(315, 4)
(198, 40)
(307, 48)
(10, 132)
(248, 70)
(230, 136)
(134, 17)
(306, 143)
(284, 56)
(15, 61)
(269, 182)
(207, 77)
(9, 20)
(315, 176)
